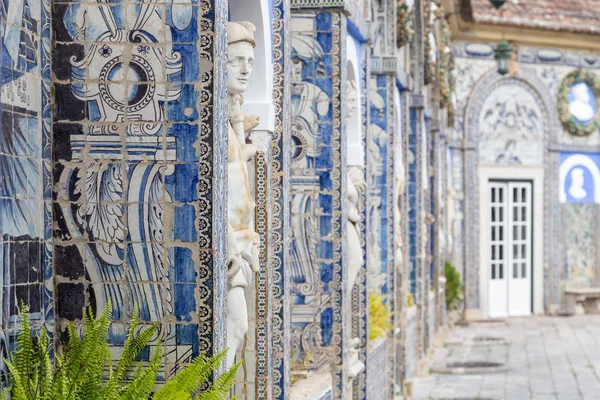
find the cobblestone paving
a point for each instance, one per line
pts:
(540, 358)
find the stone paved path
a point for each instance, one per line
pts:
(541, 358)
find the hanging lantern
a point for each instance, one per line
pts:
(497, 3)
(502, 55)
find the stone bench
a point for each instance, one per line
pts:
(586, 298)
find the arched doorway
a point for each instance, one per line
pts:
(508, 126)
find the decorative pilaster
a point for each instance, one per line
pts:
(280, 202)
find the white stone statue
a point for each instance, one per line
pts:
(580, 108)
(242, 251)
(356, 185)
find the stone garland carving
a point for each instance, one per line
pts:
(430, 46)
(577, 102)
(404, 21)
(447, 78)
(242, 239)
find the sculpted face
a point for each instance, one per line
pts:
(239, 66)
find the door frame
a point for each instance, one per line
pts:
(535, 175)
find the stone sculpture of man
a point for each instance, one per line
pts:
(242, 239)
(356, 185)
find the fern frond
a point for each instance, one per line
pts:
(222, 386)
(189, 379)
(5, 393)
(144, 380)
(24, 354)
(18, 392)
(45, 378)
(96, 331)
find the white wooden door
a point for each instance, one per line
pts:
(510, 248)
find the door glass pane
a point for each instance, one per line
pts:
(501, 252)
(500, 194)
(501, 271)
(515, 195)
(523, 214)
(493, 195)
(524, 232)
(501, 232)
(523, 270)
(493, 271)
(515, 270)
(515, 232)
(515, 214)
(523, 251)
(493, 214)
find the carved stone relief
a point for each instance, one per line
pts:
(511, 127)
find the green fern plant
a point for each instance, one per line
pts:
(85, 369)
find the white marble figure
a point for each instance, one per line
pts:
(576, 189)
(356, 185)
(580, 108)
(242, 251)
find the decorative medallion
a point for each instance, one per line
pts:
(577, 102)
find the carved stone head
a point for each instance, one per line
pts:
(240, 58)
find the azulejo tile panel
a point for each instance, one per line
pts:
(25, 178)
(378, 202)
(317, 190)
(138, 179)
